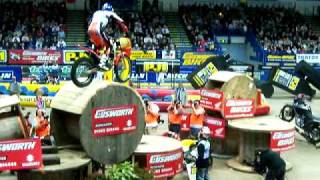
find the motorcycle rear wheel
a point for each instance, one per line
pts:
(80, 72)
(314, 135)
(287, 113)
(123, 69)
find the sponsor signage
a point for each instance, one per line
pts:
(114, 120)
(286, 79)
(211, 99)
(195, 59)
(238, 108)
(7, 72)
(282, 140)
(31, 100)
(171, 77)
(69, 56)
(3, 56)
(168, 54)
(200, 77)
(157, 65)
(34, 56)
(309, 58)
(20, 154)
(165, 164)
(217, 126)
(281, 58)
(151, 54)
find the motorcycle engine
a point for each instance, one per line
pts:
(299, 122)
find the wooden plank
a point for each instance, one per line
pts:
(223, 76)
(7, 101)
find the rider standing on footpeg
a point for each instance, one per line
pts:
(97, 27)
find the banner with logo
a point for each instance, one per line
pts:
(69, 56)
(157, 65)
(165, 164)
(3, 56)
(7, 72)
(217, 126)
(238, 108)
(20, 154)
(34, 56)
(30, 101)
(172, 77)
(114, 120)
(211, 99)
(168, 54)
(275, 58)
(150, 54)
(282, 140)
(39, 74)
(309, 58)
(195, 59)
(200, 77)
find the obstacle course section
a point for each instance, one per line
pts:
(107, 118)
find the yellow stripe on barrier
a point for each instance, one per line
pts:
(30, 101)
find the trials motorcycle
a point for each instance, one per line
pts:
(306, 124)
(84, 69)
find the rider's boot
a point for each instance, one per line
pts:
(103, 62)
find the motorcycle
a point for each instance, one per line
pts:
(306, 124)
(84, 69)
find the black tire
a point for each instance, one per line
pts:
(314, 135)
(124, 62)
(86, 62)
(287, 113)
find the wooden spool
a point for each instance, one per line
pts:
(74, 165)
(12, 123)
(71, 119)
(233, 85)
(227, 147)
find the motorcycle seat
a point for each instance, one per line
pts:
(316, 119)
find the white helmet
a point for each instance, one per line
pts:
(205, 130)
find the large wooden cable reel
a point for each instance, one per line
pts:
(72, 117)
(233, 85)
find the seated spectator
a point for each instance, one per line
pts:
(61, 44)
(196, 118)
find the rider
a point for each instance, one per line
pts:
(300, 100)
(97, 28)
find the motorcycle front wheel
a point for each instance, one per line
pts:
(123, 69)
(287, 113)
(82, 72)
(314, 135)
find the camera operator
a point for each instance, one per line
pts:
(152, 116)
(196, 118)
(175, 112)
(270, 162)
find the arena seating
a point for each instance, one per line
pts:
(34, 25)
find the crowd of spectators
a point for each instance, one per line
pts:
(32, 25)
(276, 28)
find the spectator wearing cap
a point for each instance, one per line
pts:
(196, 118)
(203, 147)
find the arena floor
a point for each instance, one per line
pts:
(304, 158)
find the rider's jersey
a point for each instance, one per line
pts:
(102, 18)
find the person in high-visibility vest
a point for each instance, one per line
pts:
(175, 112)
(152, 115)
(196, 118)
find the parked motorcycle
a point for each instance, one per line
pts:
(305, 123)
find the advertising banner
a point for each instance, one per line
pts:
(217, 126)
(40, 74)
(7, 72)
(281, 58)
(172, 77)
(114, 120)
(211, 99)
(195, 59)
(199, 78)
(69, 56)
(20, 154)
(238, 108)
(157, 65)
(151, 54)
(3, 56)
(309, 58)
(168, 54)
(165, 164)
(282, 140)
(34, 56)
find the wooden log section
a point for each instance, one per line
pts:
(71, 119)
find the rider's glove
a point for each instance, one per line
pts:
(123, 27)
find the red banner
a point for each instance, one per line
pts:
(34, 56)
(211, 99)
(239, 108)
(185, 121)
(217, 126)
(20, 154)
(165, 164)
(114, 120)
(282, 140)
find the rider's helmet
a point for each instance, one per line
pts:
(107, 7)
(205, 131)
